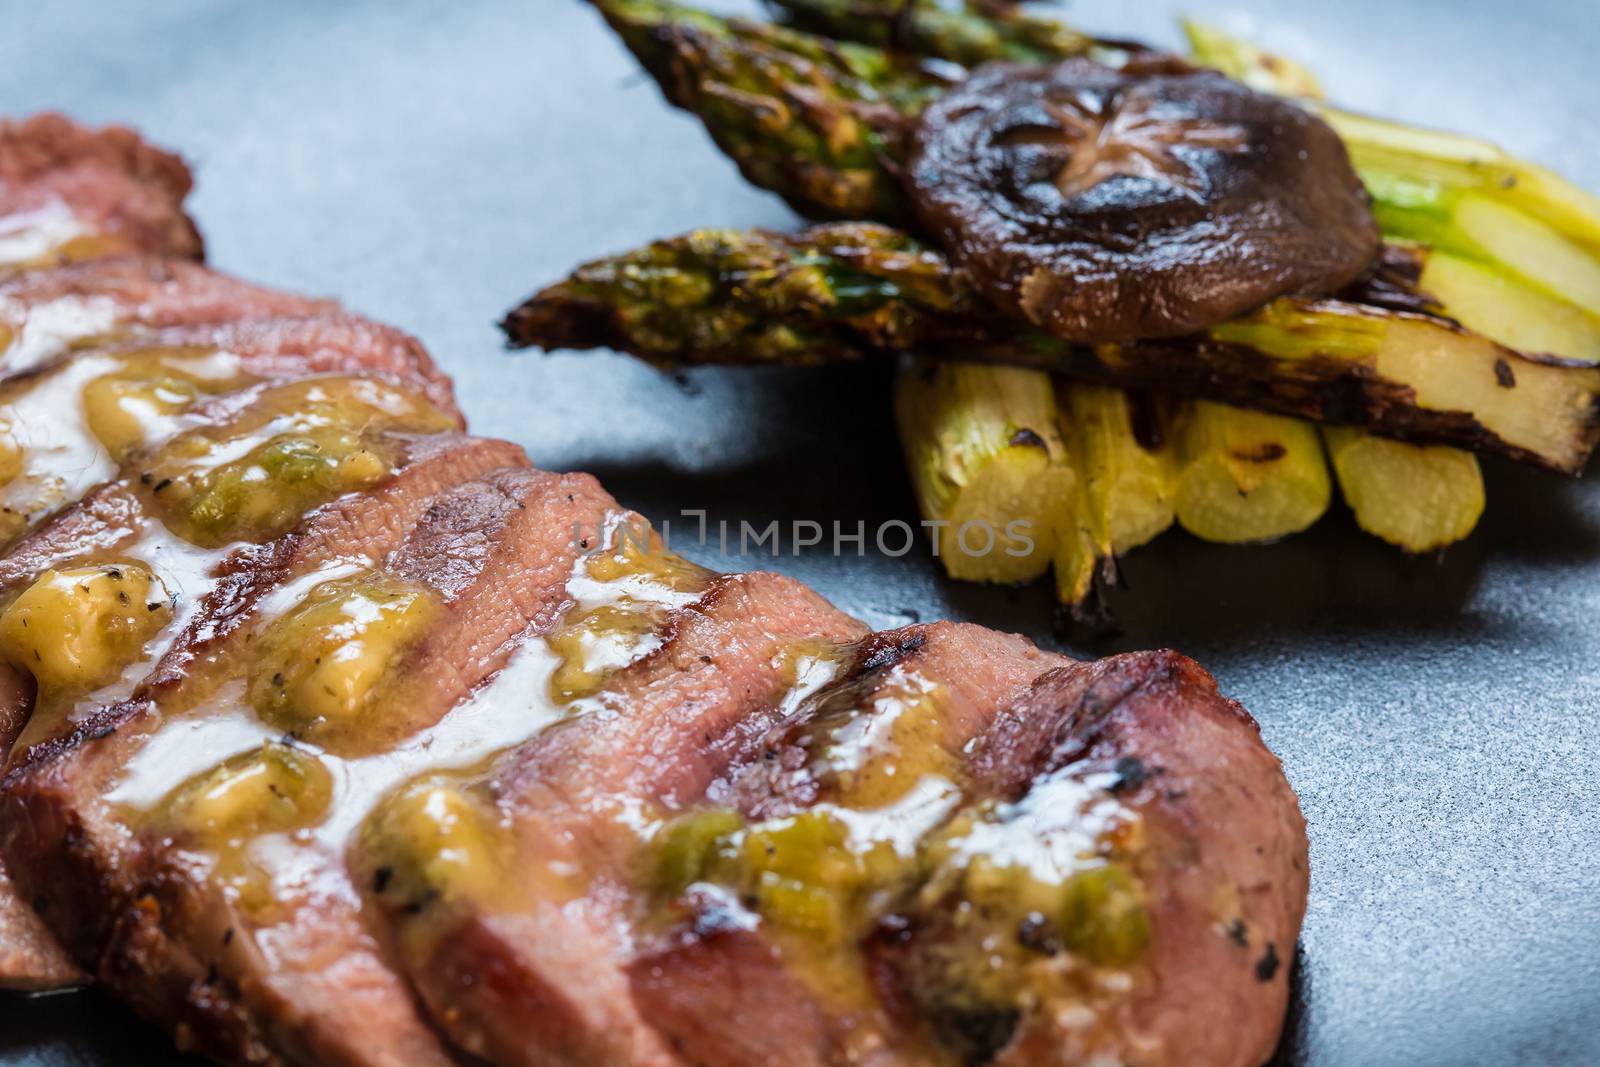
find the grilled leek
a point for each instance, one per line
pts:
(1248, 476)
(989, 466)
(1376, 475)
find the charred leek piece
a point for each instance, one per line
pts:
(968, 34)
(819, 122)
(1417, 497)
(841, 292)
(1121, 450)
(989, 466)
(1489, 302)
(1128, 465)
(1248, 476)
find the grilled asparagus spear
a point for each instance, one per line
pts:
(819, 122)
(969, 34)
(850, 291)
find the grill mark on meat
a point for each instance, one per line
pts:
(977, 671)
(106, 519)
(676, 719)
(109, 179)
(500, 553)
(540, 983)
(691, 981)
(369, 524)
(1220, 814)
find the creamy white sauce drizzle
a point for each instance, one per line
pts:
(512, 708)
(62, 458)
(30, 235)
(903, 824)
(1051, 832)
(869, 734)
(44, 331)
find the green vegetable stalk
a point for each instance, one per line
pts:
(968, 34)
(851, 291)
(821, 123)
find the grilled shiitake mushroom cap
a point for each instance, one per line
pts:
(1151, 201)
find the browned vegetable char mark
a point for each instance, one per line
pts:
(1231, 867)
(124, 195)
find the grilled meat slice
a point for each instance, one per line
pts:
(528, 970)
(243, 977)
(893, 726)
(1228, 870)
(1118, 744)
(43, 313)
(68, 193)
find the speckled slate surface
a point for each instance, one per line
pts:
(431, 162)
